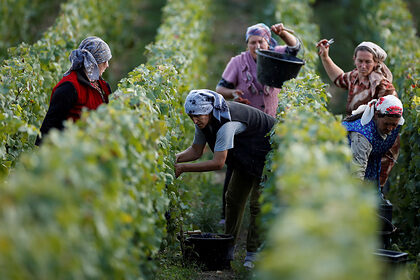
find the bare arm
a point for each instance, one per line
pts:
(227, 92)
(288, 38)
(193, 152)
(216, 163)
(230, 94)
(333, 71)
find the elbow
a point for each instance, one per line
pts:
(219, 165)
(198, 155)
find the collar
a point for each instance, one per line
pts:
(364, 81)
(83, 79)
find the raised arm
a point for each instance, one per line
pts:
(288, 38)
(333, 71)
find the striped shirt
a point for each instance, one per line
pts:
(359, 90)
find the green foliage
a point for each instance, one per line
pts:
(28, 76)
(24, 20)
(321, 220)
(181, 42)
(393, 28)
(91, 202)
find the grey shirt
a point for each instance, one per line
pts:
(224, 137)
(361, 149)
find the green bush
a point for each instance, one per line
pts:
(28, 76)
(321, 221)
(91, 202)
(393, 28)
(23, 21)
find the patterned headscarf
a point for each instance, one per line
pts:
(91, 52)
(386, 105)
(381, 70)
(205, 101)
(260, 29)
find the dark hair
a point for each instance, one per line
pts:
(364, 48)
(352, 117)
(389, 115)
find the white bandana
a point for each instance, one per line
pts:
(386, 105)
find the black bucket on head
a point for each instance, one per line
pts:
(209, 250)
(274, 68)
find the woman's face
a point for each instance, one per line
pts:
(364, 62)
(102, 67)
(386, 124)
(200, 120)
(256, 42)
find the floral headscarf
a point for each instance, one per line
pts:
(260, 29)
(386, 105)
(204, 101)
(91, 52)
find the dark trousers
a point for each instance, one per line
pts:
(229, 172)
(241, 186)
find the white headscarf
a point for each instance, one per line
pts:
(205, 101)
(381, 70)
(386, 105)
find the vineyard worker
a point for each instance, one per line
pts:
(237, 134)
(372, 130)
(370, 80)
(239, 79)
(81, 86)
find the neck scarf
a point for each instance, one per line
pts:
(381, 72)
(91, 52)
(204, 101)
(260, 29)
(386, 105)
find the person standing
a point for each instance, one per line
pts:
(81, 87)
(239, 79)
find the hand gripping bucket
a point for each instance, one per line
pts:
(274, 68)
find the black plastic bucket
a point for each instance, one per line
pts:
(274, 68)
(385, 221)
(209, 250)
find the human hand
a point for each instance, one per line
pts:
(236, 93)
(178, 170)
(278, 28)
(242, 100)
(323, 48)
